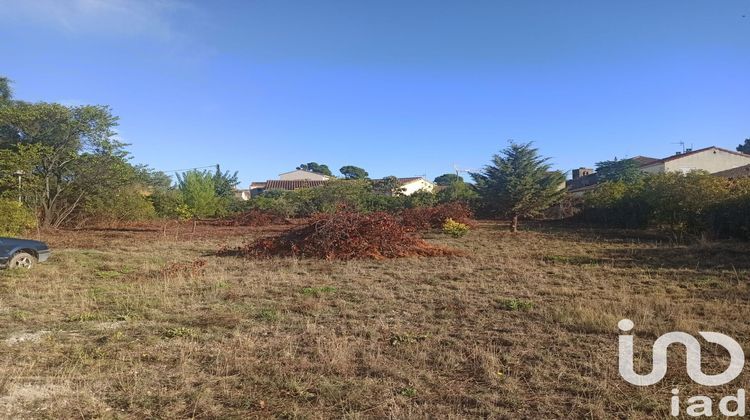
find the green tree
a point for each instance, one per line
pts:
(625, 170)
(67, 153)
(448, 179)
(744, 147)
(199, 193)
(168, 203)
(353, 172)
(389, 185)
(225, 183)
(519, 183)
(457, 191)
(316, 168)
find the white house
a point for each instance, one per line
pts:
(711, 159)
(243, 195)
(299, 174)
(411, 185)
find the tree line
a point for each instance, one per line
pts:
(73, 169)
(65, 166)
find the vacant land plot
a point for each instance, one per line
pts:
(151, 323)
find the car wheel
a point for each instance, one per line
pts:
(22, 260)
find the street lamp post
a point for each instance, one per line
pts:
(19, 174)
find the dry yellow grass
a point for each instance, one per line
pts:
(523, 326)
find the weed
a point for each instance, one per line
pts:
(318, 291)
(408, 392)
(516, 305)
(179, 332)
(268, 314)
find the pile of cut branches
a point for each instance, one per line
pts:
(344, 235)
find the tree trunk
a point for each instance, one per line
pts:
(514, 224)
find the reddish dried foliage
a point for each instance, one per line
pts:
(345, 235)
(426, 218)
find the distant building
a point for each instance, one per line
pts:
(711, 159)
(243, 195)
(409, 186)
(299, 174)
(294, 180)
(714, 160)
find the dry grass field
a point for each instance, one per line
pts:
(142, 324)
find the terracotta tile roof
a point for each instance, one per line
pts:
(278, 184)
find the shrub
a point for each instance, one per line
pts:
(344, 235)
(457, 191)
(454, 228)
(420, 199)
(167, 203)
(695, 203)
(252, 217)
(15, 218)
(128, 204)
(425, 218)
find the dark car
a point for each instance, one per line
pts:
(22, 253)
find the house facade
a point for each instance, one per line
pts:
(711, 159)
(409, 186)
(714, 160)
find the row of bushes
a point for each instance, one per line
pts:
(358, 195)
(695, 203)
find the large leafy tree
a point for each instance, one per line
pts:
(353, 172)
(448, 179)
(744, 147)
(316, 167)
(625, 170)
(67, 155)
(519, 183)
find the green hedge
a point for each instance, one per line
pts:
(695, 203)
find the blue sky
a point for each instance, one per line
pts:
(397, 87)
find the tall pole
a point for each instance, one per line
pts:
(19, 174)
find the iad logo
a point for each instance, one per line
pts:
(693, 348)
(700, 405)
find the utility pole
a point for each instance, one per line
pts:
(19, 173)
